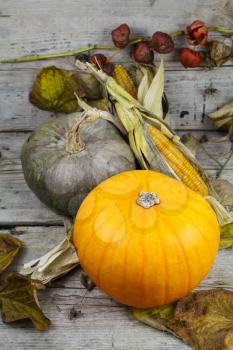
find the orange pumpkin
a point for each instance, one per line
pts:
(143, 249)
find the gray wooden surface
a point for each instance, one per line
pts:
(38, 26)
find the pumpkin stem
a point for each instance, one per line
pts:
(147, 199)
(75, 143)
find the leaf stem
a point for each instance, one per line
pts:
(177, 33)
(58, 55)
(70, 53)
(220, 30)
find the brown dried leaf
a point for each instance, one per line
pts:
(18, 300)
(219, 52)
(203, 319)
(101, 104)
(161, 318)
(190, 141)
(91, 86)
(224, 190)
(54, 88)
(9, 247)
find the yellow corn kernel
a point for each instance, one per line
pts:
(177, 161)
(123, 78)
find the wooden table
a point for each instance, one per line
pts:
(39, 26)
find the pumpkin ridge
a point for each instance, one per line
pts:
(189, 217)
(124, 273)
(165, 285)
(102, 258)
(204, 239)
(184, 254)
(202, 235)
(88, 239)
(142, 277)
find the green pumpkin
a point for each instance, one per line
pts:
(61, 168)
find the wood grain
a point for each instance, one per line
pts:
(186, 91)
(41, 26)
(103, 324)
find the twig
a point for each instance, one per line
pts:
(224, 165)
(68, 54)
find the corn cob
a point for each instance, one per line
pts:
(177, 161)
(123, 78)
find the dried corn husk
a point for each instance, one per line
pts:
(153, 98)
(151, 90)
(56, 263)
(223, 119)
(135, 117)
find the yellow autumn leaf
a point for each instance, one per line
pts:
(54, 88)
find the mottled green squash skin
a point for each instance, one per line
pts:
(62, 180)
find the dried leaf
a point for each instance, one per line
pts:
(226, 240)
(219, 52)
(101, 104)
(224, 190)
(56, 263)
(18, 300)
(54, 88)
(9, 248)
(91, 86)
(161, 318)
(203, 319)
(190, 141)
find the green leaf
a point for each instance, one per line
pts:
(203, 319)
(54, 88)
(9, 248)
(226, 240)
(18, 300)
(161, 318)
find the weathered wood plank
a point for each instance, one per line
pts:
(18, 205)
(186, 91)
(67, 25)
(39, 26)
(103, 324)
(11, 144)
(38, 240)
